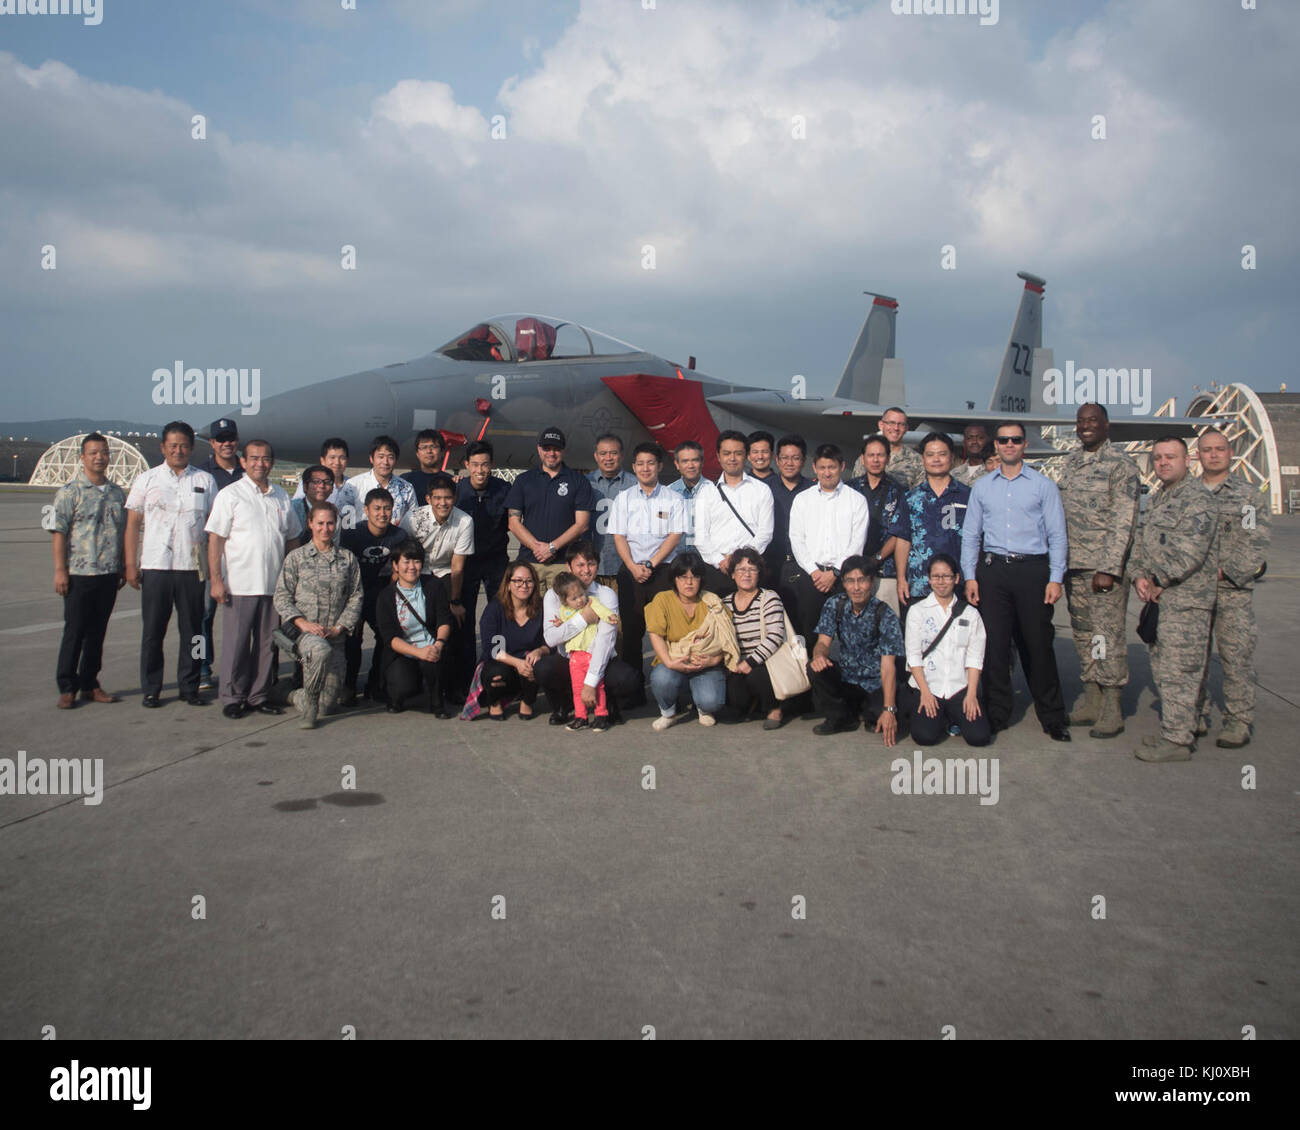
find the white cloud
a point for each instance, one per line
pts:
(674, 127)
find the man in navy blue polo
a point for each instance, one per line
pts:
(549, 506)
(223, 465)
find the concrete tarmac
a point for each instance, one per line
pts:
(513, 880)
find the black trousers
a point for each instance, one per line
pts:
(86, 609)
(405, 677)
(931, 731)
(841, 700)
(161, 590)
(744, 690)
(513, 684)
(552, 671)
(808, 600)
(632, 599)
(483, 573)
(717, 582)
(1011, 597)
(352, 650)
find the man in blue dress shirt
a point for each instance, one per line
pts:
(1014, 550)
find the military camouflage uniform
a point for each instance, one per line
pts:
(1176, 549)
(1243, 537)
(963, 472)
(1099, 490)
(905, 467)
(324, 588)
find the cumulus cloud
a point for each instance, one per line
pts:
(779, 157)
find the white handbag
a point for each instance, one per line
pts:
(788, 665)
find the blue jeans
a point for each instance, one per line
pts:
(708, 688)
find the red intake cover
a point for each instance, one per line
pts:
(672, 411)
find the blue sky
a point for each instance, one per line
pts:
(627, 127)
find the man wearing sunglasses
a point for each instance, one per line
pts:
(1014, 549)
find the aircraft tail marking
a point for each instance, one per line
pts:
(1014, 390)
(861, 379)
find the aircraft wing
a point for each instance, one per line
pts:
(847, 421)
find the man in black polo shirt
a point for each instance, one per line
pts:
(372, 542)
(224, 466)
(482, 496)
(429, 453)
(549, 506)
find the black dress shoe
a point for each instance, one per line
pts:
(151, 701)
(266, 708)
(527, 717)
(1058, 733)
(195, 699)
(829, 727)
(559, 718)
(235, 709)
(395, 708)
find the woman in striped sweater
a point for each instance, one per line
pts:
(759, 617)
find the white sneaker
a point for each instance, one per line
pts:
(707, 719)
(665, 720)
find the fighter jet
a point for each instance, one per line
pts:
(508, 376)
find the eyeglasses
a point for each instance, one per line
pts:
(1009, 439)
(521, 580)
(942, 577)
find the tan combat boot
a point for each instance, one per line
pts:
(1085, 712)
(1110, 720)
(306, 705)
(1157, 748)
(1234, 735)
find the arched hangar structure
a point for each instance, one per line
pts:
(62, 461)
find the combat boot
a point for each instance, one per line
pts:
(307, 706)
(329, 693)
(1110, 720)
(1157, 748)
(1234, 735)
(1085, 713)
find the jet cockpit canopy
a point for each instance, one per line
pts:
(532, 337)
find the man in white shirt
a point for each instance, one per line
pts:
(552, 671)
(646, 525)
(351, 508)
(735, 511)
(447, 535)
(252, 525)
(947, 678)
(166, 559)
(384, 452)
(827, 524)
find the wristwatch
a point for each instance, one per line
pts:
(645, 565)
(891, 709)
(551, 546)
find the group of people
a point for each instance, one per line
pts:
(901, 593)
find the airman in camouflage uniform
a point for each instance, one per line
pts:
(1100, 490)
(905, 466)
(1174, 562)
(319, 589)
(1243, 537)
(88, 521)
